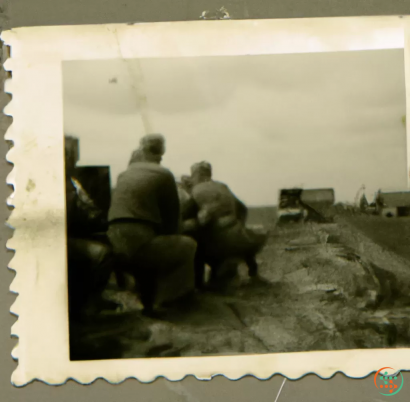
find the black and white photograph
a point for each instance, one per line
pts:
(236, 205)
(210, 198)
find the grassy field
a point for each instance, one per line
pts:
(392, 233)
(265, 216)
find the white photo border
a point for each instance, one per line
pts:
(39, 187)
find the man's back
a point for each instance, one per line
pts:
(147, 192)
(215, 197)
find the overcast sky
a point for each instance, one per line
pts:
(264, 122)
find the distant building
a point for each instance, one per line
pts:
(393, 204)
(289, 205)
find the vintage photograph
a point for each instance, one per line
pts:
(230, 205)
(209, 198)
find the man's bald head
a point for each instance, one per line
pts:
(151, 149)
(153, 144)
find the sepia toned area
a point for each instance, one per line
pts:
(312, 149)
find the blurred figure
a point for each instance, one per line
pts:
(90, 262)
(188, 209)
(151, 149)
(144, 224)
(221, 216)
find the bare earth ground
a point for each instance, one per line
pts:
(343, 285)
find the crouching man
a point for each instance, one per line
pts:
(221, 216)
(143, 227)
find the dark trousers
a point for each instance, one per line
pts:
(90, 264)
(218, 245)
(149, 257)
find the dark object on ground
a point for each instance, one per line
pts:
(90, 265)
(101, 336)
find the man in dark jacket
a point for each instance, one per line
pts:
(221, 216)
(144, 223)
(90, 262)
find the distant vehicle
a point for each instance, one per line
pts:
(318, 203)
(305, 204)
(289, 206)
(393, 204)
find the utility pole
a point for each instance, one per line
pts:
(358, 194)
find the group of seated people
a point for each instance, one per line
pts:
(160, 231)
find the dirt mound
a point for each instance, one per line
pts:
(322, 287)
(386, 250)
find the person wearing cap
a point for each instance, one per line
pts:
(144, 224)
(221, 216)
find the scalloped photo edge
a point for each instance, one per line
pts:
(38, 217)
